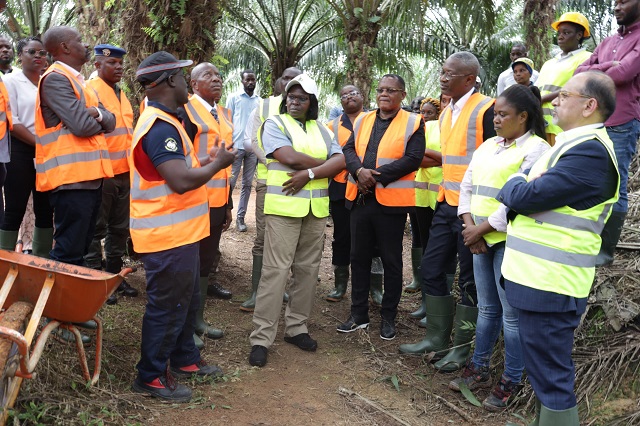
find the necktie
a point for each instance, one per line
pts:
(214, 112)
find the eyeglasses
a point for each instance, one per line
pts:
(299, 99)
(42, 53)
(564, 95)
(381, 90)
(446, 75)
(351, 94)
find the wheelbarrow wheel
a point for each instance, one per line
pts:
(16, 318)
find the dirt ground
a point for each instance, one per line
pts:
(294, 388)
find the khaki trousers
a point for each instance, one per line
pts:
(287, 241)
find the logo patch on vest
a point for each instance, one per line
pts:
(170, 144)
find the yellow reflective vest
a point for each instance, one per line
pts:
(556, 250)
(266, 108)
(315, 142)
(428, 179)
(554, 74)
(490, 173)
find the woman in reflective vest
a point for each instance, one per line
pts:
(520, 142)
(301, 158)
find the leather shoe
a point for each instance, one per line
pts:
(258, 356)
(240, 225)
(164, 387)
(387, 329)
(303, 341)
(125, 289)
(216, 290)
(352, 325)
(113, 299)
(199, 369)
(89, 325)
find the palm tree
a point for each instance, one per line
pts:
(30, 18)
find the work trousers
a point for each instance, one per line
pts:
(112, 225)
(288, 241)
(341, 244)
(445, 241)
(210, 246)
(248, 161)
(19, 184)
(375, 232)
(173, 298)
(75, 212)
(625, 139)
(258, 242)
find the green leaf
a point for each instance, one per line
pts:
(357, 12)
(396, 384)
(374, 19)
(226, 407)
(213, 406)
(469, 395)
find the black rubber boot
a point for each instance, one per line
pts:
(416, 284)
(465, 321)
(341, 275)
(202, 328)
(610, 236)
(256, 272)
(439, 324)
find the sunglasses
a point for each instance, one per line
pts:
(42, 53)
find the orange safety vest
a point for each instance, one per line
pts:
(6, 121)
(342, 135)
(208, 128)
(393, 144)
(118, 141)
(459, 143)
(162, 219)
(61, 156)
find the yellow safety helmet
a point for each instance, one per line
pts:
(576, 18)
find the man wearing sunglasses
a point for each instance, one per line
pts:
(557, 214)
(382, 155)
(71, 150)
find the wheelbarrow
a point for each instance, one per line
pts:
(35, 287)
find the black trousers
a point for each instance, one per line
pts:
(209, 246)
(445, 241)
(341, 245)
(371, 228)
(420, 224)
(19, 184)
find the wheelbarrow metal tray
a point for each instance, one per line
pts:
(76, 296)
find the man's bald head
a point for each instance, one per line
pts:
(601, 87)
(55, 36)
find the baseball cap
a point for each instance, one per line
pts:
(526, 62)
(306, 82)
(158, 67)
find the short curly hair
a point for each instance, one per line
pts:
(432, 101)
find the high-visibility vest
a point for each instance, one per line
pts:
(393, 145)
(556, 250)
(316, 143)
(218, 186)
(266, 108)
(6, 121)
(61, 156)
(554, 74)
(162, 219)
(428, 179)
(118, 141)
(490, 173)
(341, 134)
(459, 143)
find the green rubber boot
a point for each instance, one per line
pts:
(439, 324)
(375, 289)
(198, 341)
(422, 310)
(456, 358)
(202, 328)
(423, 322)
(341, 274)
(256, 272)
(42, 242)
(8, 240)
(568, 417)
(536, 420)
(416, 258)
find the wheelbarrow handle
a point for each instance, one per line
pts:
(127, 271)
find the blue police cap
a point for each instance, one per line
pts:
(109, 50)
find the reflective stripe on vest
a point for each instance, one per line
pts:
(118, 141)
(393, 144)
(207, 130)
(556, 250)
(491, 171)
(459, 142)
(314, 196)
(162, 219)
(553, 75)
(428, 179)
(61, 157)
